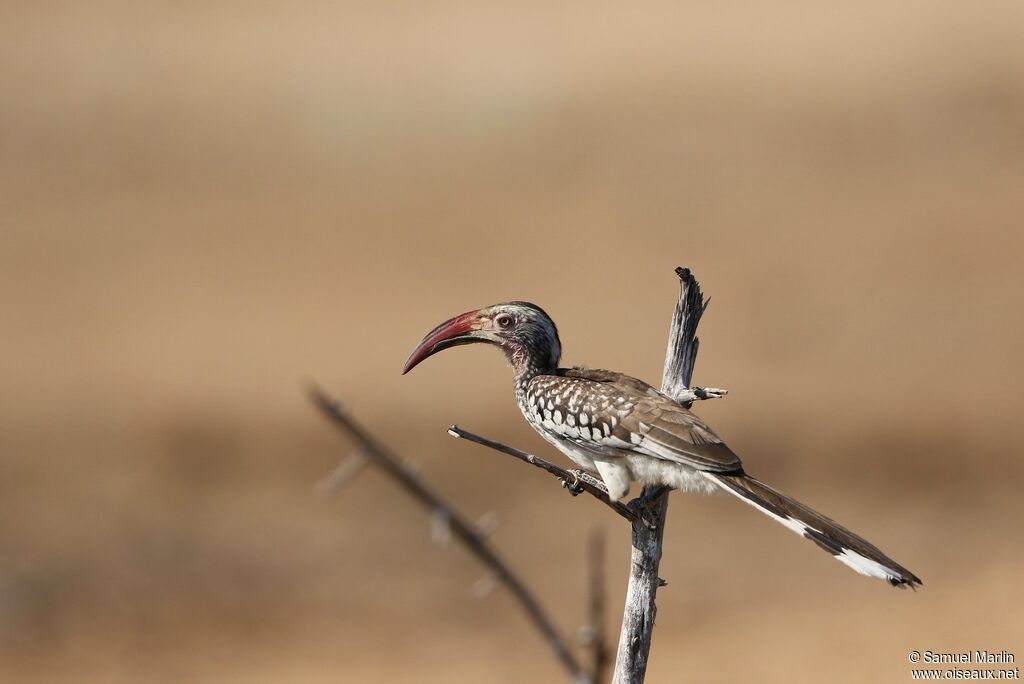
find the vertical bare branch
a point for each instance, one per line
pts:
(638, 616)
(681, 355)
(459, 526)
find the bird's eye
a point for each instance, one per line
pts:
(503, 321)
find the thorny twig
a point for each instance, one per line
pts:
(575, 481)
(461, 528)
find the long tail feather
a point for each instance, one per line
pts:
(846, 546)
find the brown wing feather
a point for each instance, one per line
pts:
(674, 433)
(667, 429)
(607, 376)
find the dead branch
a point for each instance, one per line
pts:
(460, 527)
(638, 616)
(575, 481)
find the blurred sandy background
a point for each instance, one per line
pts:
(204, 204)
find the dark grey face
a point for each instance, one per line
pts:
(528, 334)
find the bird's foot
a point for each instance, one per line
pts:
(649, 496)
(643, 505)
(575, 487)
(644, 514)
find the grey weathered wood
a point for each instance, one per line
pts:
(681, 355)
(640, 610)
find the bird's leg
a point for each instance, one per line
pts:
(644, 514)
(648, 496)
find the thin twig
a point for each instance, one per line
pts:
(575, 480)
(464, 530)
(345, 472)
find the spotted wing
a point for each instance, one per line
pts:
(604, 411)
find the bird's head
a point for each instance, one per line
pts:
(525, 333)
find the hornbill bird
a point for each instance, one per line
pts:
(624, 430)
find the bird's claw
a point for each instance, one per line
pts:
(640, 507)
(643, 505)
(575, 487)
(644, 517)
